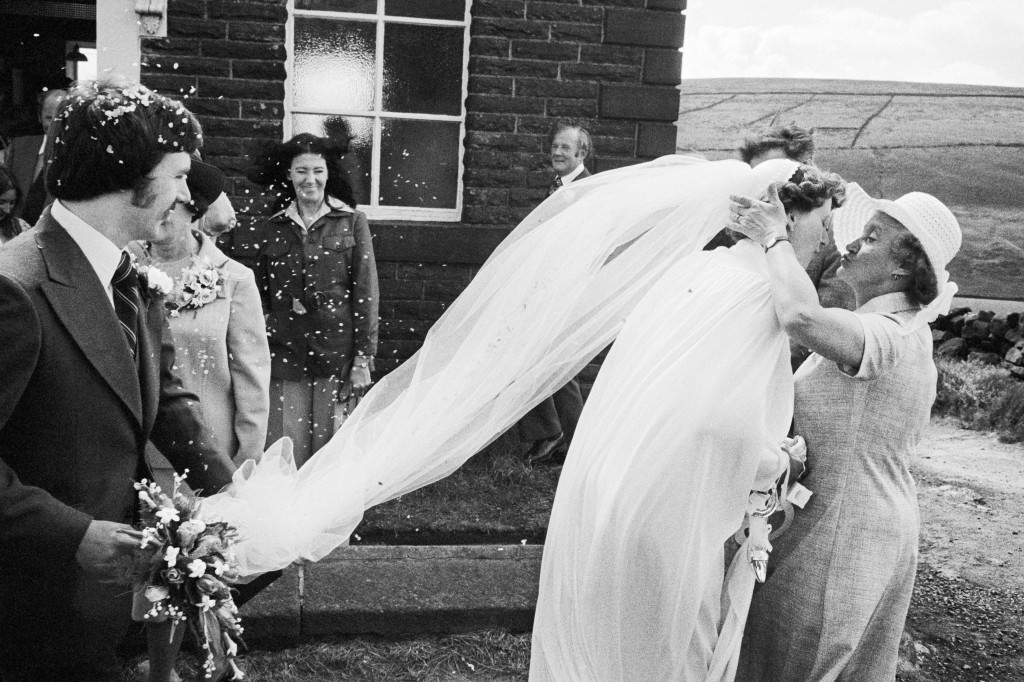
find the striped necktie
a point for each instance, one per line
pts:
(126, 300)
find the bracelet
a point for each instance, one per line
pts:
(775, 240)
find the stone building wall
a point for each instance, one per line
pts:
(614, 66)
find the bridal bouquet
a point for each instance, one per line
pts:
(182, 570)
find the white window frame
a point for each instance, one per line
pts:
(373, 210)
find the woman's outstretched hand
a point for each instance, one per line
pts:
(763, 221)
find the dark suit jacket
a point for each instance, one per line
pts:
(75, 414)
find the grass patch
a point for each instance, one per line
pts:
(490, 655)
(981, 397)
(494, 498)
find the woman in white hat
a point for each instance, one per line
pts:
(840, 579)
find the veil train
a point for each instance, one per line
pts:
(553, 294)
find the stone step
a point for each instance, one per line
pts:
(396, 590)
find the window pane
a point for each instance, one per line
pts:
(434, 9)
(334, 64)
(423, 69)
(359, 133)
(361, 6)
(419, 163)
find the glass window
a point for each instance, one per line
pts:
(389, 77)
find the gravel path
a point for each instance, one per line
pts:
(967, 615)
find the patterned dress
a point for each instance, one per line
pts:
(840, 579)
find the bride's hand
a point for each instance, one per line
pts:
(762, 221)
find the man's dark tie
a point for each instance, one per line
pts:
(126, 300)
(555, 184)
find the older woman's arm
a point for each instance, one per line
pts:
(834, 333)
(249, 364)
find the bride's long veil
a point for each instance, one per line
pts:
(552, 295)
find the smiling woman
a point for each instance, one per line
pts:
(318, 281)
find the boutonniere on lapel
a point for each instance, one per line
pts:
(153, 281)
(200, 285)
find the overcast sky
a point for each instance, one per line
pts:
(940, 41)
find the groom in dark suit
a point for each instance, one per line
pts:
(85, 379)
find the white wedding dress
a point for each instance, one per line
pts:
(660, 467)
(696, 392)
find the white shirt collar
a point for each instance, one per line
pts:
(566, 179)
(102, 254)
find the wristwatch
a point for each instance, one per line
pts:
(775, 240)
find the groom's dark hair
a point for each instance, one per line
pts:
(109, 134)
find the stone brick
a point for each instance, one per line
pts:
(270, 109)
(575, 108)
(269, 70)
(530, 196)
(183, 46)
(492, 122)
(583, 33)
(629, 55)
(505, 105)
(405, 330)
(204, 106)
(542, 49)
(491, 177)
(494, 216)
(391, 353)
(552, 11)
(656, 139)
(168, 84)
(186, 8)
(242, 89)
(269, 12)
(442, 290)
(256, 31)
(545, 87)
(504, 142)
(237, 49)
(189, 66)
(672, 5)
(615, 3)
(663, 67)
(486, 196)
(509, 28)
(436, 252)
(491, 85)
(604, 73)
(654, 29)
(182, 27)
(508, 9)
(233, 127)
(486, 46)
(645, 103)
(618, 146)
(493, 66)
(221, 146)
(416, 310)
(612, 128)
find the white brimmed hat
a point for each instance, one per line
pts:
(923, 215)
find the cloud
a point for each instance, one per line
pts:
(959, 41)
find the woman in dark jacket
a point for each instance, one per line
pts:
(318, 280)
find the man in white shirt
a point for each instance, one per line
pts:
(550, 425)
(88, 377)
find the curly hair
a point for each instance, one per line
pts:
(795, 142)
(271, 168)
(810, 187)
(909, 253)
(110, 133)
